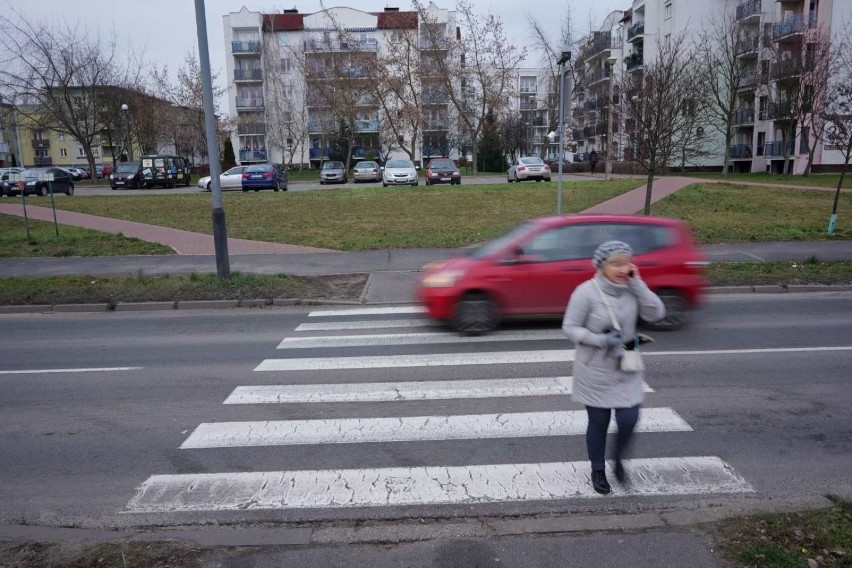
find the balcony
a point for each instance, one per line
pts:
(741, 152)
(577, 134)
(528, 105)
(598, 76)
(590, 105)
(441, 43)
(600, 128)
(42, 161)
(248, 74)
(249, 102)
(749, 82)
(776, 149)
(435, 124)
(319, 153)
(367, 125)
(529, 89)
(251, 128)
(748, 47)
(603, 41)
(633, 62)
(788, 28)
(252, 155)
(637, 30)
(780, 111)
(41, 143)
(589, 131)
(318, 46)
(436, 150)
(434, 98)
(250, 47)
(748, 9)
(744, 116)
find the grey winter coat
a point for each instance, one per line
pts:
(598, 381)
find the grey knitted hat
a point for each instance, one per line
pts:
(609, 249)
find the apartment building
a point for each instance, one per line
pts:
(538, 109)
(9, 154)
(285, 68)
(629, 38)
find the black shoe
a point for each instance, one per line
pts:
(620, 474)
(599, 482)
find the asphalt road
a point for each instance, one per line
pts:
(77, 446)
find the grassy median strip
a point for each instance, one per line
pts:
(819, 538)
(359, 218)
(72, 241)
(725, 213)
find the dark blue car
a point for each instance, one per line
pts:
(264, 176)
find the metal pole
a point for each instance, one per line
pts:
(608, 166)
(561, 134)
(220, 234)
(53, 205)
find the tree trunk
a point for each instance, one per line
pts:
(729, 135)
(648, 191)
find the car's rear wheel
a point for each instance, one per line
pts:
(209, 185)
(276, 187)
(245, 190)
(475, 313)
(675, 317)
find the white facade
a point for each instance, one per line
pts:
(282, 113)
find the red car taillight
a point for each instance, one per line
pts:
(521, 168)
(267, 174)
(245, 176)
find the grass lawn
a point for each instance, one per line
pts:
(725, 213)
(72, 241)
(826, 180)
(362, 218)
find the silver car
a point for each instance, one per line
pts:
(333, 172)
(400, 172)
(230, 179)
(528, 167)
(367, 171)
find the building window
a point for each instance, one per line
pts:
(668, 10)
(80, 152)
(667, 42)
(528, 85)
(282, 39)
(286, 66)
(61, 136)
(63, 152)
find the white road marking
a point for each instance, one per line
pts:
(384, 339)
(83, 370)
(369, 311)
(750, 351)
(414, 428)
(366, 324)
(428, 360)
(401, 391)
(431, 485)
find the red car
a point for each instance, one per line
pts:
(533, 269)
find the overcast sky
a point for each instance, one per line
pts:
(164, 30)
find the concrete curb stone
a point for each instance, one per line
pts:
(206, 304)
(26, 309)
(144, 306)
(254, 303)
(57, 308)
(285, 301)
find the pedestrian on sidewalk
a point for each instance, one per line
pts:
(616, 292)
(593, 160)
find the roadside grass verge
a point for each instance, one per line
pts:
(142, 288)
(808, 538)
(72, 241)
(726, 213)
(826, 180)
(362, 218)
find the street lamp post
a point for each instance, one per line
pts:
(608, 165)
(128, 144)
(564, 58)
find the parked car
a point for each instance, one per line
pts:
(165, 171)
(230, 179)
(62, 182)
(442, 170)
(264, 176)
(533, 269)
(367, 171)
(528, 167)
(333, 172)
(127, 174)
(106, 170)
(75, 173)
(6, 184)
(400, 172)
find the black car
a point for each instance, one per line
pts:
(126, 174)
(442, 170)
(36, 184)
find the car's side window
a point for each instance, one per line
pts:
(562, 243)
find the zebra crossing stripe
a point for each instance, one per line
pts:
(430, 485)
(401, 391)
(383, 339)
(427, 360)
(366, 324)
(369, 311)
(413, 428)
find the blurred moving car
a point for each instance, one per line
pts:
(333, 172)
(442, 170)
(230, 179)
(400, 172)
(62, 182)
(264, 176)
(366, 171)
(528, 167)
(127, 174)
(533, 269)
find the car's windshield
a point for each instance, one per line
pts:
(531, 161)
(127, 168)
(34, 173)
(332, 166)
(401, 164)
(500, 242)
(442, 164)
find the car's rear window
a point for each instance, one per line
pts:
(362, 165)
(260, 168)
(531, 161)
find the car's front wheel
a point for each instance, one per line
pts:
(42, 191)
(475, 314)
(70, 189)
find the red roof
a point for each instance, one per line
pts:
(397, 20)
(293, 22)
(283, 22)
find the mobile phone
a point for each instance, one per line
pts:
(631, 274)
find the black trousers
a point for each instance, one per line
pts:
(599, 418)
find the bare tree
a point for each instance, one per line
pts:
(723, 73)
(838, 110)
(477, 68)
(661, 106)
(285, 108)
(515, 136)
(58, 76)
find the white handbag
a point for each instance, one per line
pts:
(631, 361)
